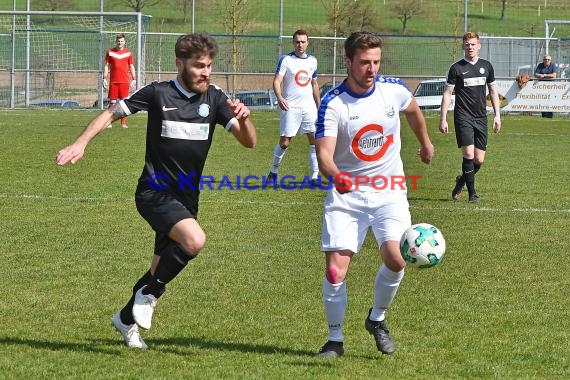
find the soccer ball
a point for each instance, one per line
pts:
(422, 245)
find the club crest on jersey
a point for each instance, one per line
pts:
(370, 144)
(204, 110)
(390, 111)
(482, 70)
(302, 78)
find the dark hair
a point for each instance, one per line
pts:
(361, 40)
(120, 35)
(300, 32)
(195, 45)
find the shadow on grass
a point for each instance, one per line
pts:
(177, 346)
(172, 344)
(89, 346)
(412, 198)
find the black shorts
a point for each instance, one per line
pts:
(162, 211)
(471, 132)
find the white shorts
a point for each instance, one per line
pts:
(347, 217)
(297, 120)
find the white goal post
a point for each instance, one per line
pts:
(549, 33)
(55, 42)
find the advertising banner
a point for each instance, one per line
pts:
(540, 96)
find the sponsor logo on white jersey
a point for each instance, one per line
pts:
(370, 144)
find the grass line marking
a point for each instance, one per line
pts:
(39, 197)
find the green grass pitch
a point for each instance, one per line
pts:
(249, 307)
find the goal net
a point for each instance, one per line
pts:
(59, 55)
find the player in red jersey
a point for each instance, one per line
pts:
(120, 69)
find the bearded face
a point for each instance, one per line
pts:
(194, 73)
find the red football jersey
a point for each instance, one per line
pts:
(119, 62)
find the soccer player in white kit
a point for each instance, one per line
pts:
(358, 145)
(295, 85)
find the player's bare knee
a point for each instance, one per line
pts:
(395, 265)
(284, 142)
(393, 260)
(335, 275)
(193, 245)
(398, 267)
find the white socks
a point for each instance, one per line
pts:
(385, 287)
(278, 154)
(313, 163)
(335, 301)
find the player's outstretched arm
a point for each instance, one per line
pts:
(417, 122)
(244, 131)
(75, 151)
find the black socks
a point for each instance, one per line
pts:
(468, 168)
(171, 263)
(127, 311)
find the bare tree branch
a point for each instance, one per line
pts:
(405, 10)
(138, 5)
(346, 16)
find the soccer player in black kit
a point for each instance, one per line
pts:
(182, 115)
(469, 77)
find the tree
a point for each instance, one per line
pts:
(53, 5)
(347, 16)
(236, 16)
(138, 5)
(405, 10)
(504, 7)
(185, 6)
(530, 29)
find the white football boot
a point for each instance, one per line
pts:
(143, 308)
(129, 332)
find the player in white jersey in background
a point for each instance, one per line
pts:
(358, 145)
(295, 85)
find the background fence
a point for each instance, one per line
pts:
(60, 56)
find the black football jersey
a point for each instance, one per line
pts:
(470, 81)
(180, 127)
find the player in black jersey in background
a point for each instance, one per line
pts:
(182, 115)
(469, 77)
